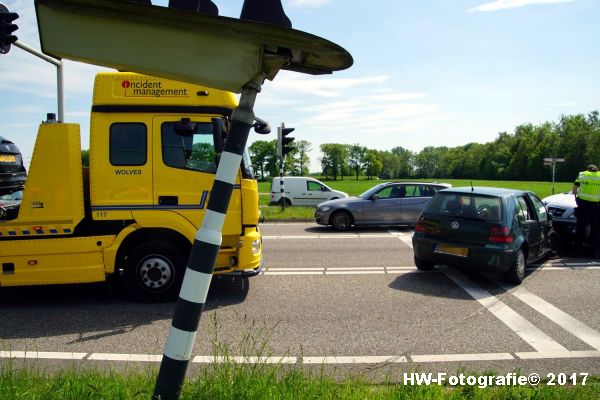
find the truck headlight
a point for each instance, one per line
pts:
(255, 246)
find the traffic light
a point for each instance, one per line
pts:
(7, 28)
(283, 141)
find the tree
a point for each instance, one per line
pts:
(404, 162)
(334, 158)
(356, 157)
(427, 162)
(301, 159)
(373, 164)
(264, 157)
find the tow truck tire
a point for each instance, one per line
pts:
(154, 271)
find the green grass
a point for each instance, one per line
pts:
(232, 381)
(260, 381)
(354, 188)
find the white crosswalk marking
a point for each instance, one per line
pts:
(561, 318)
(522, 327)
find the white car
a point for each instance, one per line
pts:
(562, 207)
(302, 191)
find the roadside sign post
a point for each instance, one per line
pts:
(552, 161)
(225, 53)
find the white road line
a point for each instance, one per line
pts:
(378, 236)
(244, 360)
(522, 327)
(403, 268)
(43, 355)
(419, 358)
(293, 273)
(125, 357)
(287, 224)
(390, 271)
(558, 354)
(354, 272)
(559, 317)
(363, 270)
(407, 240)
(565, 268)
(354, 360)
(280, 237)
(462, 357)
(294, 269)
(355, 268)
(338, 237)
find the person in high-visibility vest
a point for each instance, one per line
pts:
(587, 190)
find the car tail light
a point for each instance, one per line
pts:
(500, 234)
(420, 226)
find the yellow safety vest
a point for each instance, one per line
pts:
(589, 186)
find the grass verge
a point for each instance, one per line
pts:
(354, 188)
(259, 381)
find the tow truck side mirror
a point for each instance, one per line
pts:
(261, 127)
(218, 129)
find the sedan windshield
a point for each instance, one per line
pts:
(466, 205)
(372, 191)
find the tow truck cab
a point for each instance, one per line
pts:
(154, 151)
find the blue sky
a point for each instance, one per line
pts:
(425, 73)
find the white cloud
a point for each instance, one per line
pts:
(367, 110)
(321, 86)
(506, 4)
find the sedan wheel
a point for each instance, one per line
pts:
(516, 273)
(341, 221)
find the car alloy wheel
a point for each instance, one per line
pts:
(341, 221)
(516, 273)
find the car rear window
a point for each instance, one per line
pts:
(466, 205)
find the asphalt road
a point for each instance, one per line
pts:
(353, 301)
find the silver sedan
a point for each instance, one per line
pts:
(390, 203)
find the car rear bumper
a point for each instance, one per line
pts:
(489, 257)
(12, 181)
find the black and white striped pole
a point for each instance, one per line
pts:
(201, 263)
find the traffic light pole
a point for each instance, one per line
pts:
(59, 76)
(7, 38)
(282, 182)
(201, 263)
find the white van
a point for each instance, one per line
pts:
(302, 191)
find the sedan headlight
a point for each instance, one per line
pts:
(323, 209)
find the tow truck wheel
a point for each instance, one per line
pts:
(154, 271)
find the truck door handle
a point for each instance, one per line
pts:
(168, 200)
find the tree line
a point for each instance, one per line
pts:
(511, 156)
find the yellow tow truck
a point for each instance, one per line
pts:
(134, 213)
